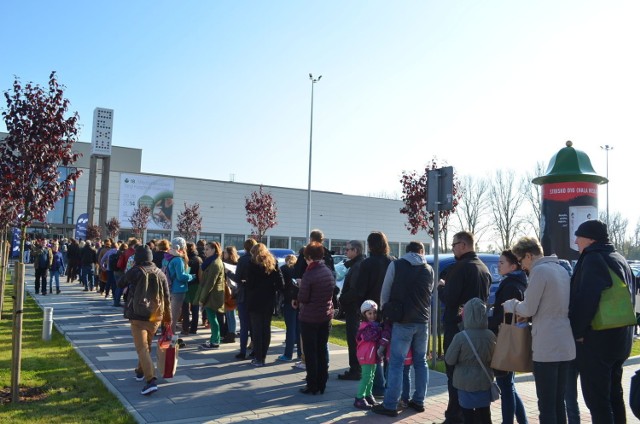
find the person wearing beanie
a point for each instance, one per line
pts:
(175, 267)
(367, 340)
(599, 353)
(144, 274)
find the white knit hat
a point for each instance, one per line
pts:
(368, 305)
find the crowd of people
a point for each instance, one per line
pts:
(388, 309)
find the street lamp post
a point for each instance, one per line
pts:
(313, 81)
(606, 148)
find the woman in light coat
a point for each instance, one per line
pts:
(546, 302)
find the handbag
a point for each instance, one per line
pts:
(167, 355)
(513, 348)
(495, 390)
(615, 309)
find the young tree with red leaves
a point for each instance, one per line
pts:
(261, 212)
(414, 197)
(190, 221)
(113, 227)
(94, 232)
(139, 220)
(40, 140)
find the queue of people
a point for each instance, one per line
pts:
(387, 304)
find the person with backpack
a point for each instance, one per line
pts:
(42, 260)
(148, 305)
(175, 268)
(109, 262)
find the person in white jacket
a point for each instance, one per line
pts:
(546, 302)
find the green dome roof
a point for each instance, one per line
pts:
(569, 165)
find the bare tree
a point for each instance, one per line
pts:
(617, 231)
(139, 220)
(506, 198)
(190, 221)
(113, 227)
(533, 196)
(474, 205)
(262, 212)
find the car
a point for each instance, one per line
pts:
(280, 254)
(337, 259)
(445, 261)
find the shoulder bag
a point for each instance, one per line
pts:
(495, 390)
(615, 309)
(513, 347)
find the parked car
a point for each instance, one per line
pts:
(337, 259)
(445, 261)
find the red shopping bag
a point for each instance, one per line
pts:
(167, 355)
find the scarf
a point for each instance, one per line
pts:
(208, 261)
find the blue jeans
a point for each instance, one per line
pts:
(293, 330)
(510, 401)
(406, 383)
(551, 383)
(571, 394)
(87, 276)
(231, 321)
(54, 275)
(111, 284)
(412, 336)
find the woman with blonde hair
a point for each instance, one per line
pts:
(263, 281)
(211, 295)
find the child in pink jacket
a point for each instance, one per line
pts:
(367, 339)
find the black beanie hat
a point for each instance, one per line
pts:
(595, 230)
(143, 254)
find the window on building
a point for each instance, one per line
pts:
(62, 212)
(298, 243)
(211, 237)
(236, 240)
(158, 235)
(395, 249)
(338, 246)
(279, 242)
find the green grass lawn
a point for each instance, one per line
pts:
(71, 393)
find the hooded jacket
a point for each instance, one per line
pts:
(178, 273)
(468, 374)
(590, 278)
(409, 279)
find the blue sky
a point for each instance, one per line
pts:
(209, 88)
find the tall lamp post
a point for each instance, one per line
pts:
(606, 148)
(313, 81)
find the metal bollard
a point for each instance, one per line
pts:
(47, 324)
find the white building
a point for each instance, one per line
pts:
(222, 205)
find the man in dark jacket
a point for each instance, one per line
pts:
(143, 328)
(368, 286)
(301, 264)
(599, 353)
(88, 261)
(42, 260)
(349, 303)
(468, 278)
(407, 282)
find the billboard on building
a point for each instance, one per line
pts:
(149, 190)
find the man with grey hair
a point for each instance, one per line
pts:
(350, 304)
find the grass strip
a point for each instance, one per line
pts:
(61, 388)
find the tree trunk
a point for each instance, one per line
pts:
(16, 352)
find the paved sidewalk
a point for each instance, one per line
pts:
(212, 386)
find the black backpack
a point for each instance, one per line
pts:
(147, 297)
(113, 261)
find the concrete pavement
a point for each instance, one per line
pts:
(212, 386)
